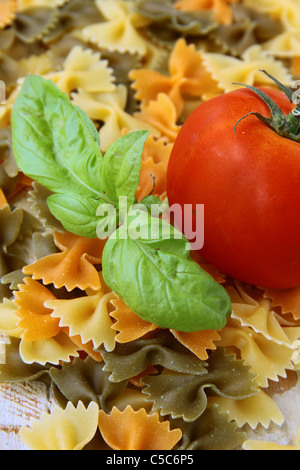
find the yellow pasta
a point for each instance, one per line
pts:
(51, 350)
(110, 108)
(287, 11)
(85, 70)
(258, 314)
(227, 70)
(9, 319)
(268, 359)
(120, 30)
(69, 429)
(87, 317)
(254, 411)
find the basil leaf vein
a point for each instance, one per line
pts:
(163, 285)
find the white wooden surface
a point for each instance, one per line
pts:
(18, 405)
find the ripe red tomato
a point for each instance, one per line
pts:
(249, 183)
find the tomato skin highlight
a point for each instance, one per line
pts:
(249, 183)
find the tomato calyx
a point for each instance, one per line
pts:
(287, 126)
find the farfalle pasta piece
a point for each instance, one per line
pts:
(9, 319)
(73, 267)
(248, 27)
(84, 381)
(221, 8)
(49, 351)
(32, 24)
(84, 69)
(153, 179)
(255, 311)
(287, 299)
(186, 76)
(68, 429)
(109, 108)
(6, 108)
(157, 149)
(36, 64)
(128, 325)
(3, 200)
(21, 251)
(11, 71)
(35, 319)
(14, 370)
(198, 342)
(73, 15)
(161, 115)
(254, 411)
(8, 10)
(37, 198)
(137, 430)
(7, 37)
(211, 431)
(268, 359)
(287, 11)
(131, 359)
(88, 317)
(119, 30)
(84, 348)
(153, 174)
(184, 395)
(34, 247)
(11, 223)
(171, 23)
(227, 70)
(285, 45)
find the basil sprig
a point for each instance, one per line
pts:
(57, 144)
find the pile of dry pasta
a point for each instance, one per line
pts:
(116, 381)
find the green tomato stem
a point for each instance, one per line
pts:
(287, 126)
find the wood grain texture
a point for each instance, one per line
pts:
(18, 405)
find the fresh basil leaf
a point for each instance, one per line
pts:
(156, 232)
(121, 166)
(93, 131)
(52, 142)
(161, 283)
(76, 212)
